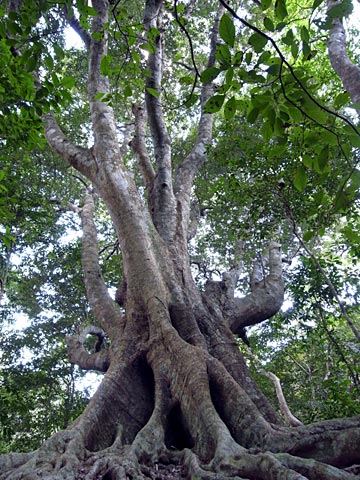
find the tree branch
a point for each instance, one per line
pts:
(138, 145)
(285, 410)
(161, 197)
(80, 158)
(124, 148)
(75, 25)
(106, 149)
(263, 302)
(348, 72)
(105, 311)
(99, 360)
(196, 158)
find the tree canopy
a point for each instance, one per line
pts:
(163, 189)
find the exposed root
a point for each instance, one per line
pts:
(128, 463)
(58, 458)
(314, 470)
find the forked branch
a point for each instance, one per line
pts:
(263, 302)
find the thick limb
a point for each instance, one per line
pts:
(105, 310)
(347, 70)
(98, 360)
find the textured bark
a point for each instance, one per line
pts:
(348, 71)
(177, 389)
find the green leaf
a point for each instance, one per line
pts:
(68, 82)
(341, 200)
(308, 235)
(355, 179)
(59, 52)
(300, 179)
(288, 39)
(248, 57)
(267, 130)
(214, 104)
(91, 11)
(274, 69)
(49, 62)
(264, 58)
(105, 65)
(238, 58)
(294, 49)
(308, 161)
(253, 114)
(356, 106)
(306, 50)
(304, 34)
(354, 140)
(223, 55)
(341, 10)
(229, 76)
(265, 4)
(317, 3)
(295, 114)
(153, 92)
(31, 64)
(322, 159)
(280, 9)
(149, 47)
(227, 30)
(98, 36)
(191, 100)
(209, 74)
(329, 138)
(230, 108)
(258, 42)
(127, 91)
(351, 235)
(341, 100)
(268, 24)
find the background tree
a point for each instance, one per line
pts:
(177, 388)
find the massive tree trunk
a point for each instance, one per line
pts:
(176, 390)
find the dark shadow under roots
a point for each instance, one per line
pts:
(131, 406)
(177, 435)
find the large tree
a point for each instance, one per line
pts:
(177, 390)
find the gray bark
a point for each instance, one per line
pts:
(347, 70)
